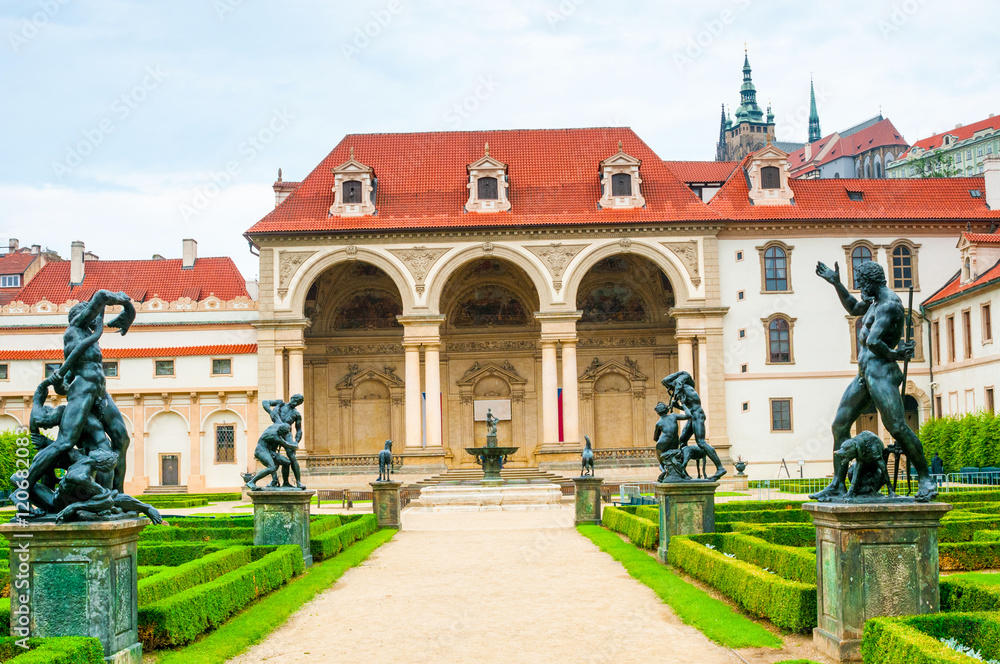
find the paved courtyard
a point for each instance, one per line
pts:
(487, 587)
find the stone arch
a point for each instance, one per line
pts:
(167, 434)
(451, 263)
(226, 410)
(666, 260)
(321, 261)
(8, 421)
(922, 398)
(150, 419)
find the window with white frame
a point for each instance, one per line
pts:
(10, 281)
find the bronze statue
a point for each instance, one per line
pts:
(268, 452)
(680, 385)
(491, 423)
(385, 462)
(880, 347)
(869, 472)
(279, 411)
(92, 442)
(587, 459)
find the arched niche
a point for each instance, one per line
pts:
(612, 404)
(167, 443)
(679, 262)
(370, 409)
(489, 294)
(500, 384)
(445, 271)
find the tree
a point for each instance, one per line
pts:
(936, 164)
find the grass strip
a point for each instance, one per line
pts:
(715, 619)
(254, 625)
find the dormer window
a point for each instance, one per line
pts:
(487, 185)
(620, 181)
(353, 189)
(768, 176)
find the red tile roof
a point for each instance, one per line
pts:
(141, 279)
(16, 263)
(931, 198)
(960, 134)
(882, 133)
(7, 295)
(422, 180)
(702, 171)
(982, 237)
(955, 285)
(124, 353)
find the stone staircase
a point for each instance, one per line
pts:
(165, 489)
(473, 474)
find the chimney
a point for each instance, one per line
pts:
(36, 249)
(76, 263)
(14, 244)
(190, 253)
(991, 174)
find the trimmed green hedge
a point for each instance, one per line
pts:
(194, 534)
(182, 617)
(213, 522)
(58, 650)
(915, 639)
(962, 529)
(172, 554)
(784, 534)
(764, 516)
(188, 575)
(963, 595)
(969, 497)
(788, 562)
(318, 525)
(749, 505)
(643, 533)
(788, 604)
(968, 556)
(146, 571)
(335, 540)
(173, 503)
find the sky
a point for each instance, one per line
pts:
(132, 124)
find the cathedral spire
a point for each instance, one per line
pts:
(748, 110)
(814, 132)
(721, 154)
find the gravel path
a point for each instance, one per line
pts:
(501, 587)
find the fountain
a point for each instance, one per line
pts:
(492, 493)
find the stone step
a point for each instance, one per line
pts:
(165, 489)
(464, 475)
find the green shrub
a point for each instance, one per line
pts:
(915, 639)
(965, 595)
(335, 540)
(764, 516)
(792, 563)
(146, 571)
(961, 497)
(193, 534)
(188, 575)
(195, 521)
(962, 529)
(788, 604)
(785, 534)
(8, 456)
(322, 524)
(180, 618)
(968, 556)
(641, 532)
(172, 554)
(4, 616)
(749, 505)
(968, 440)
(648, 512)
(58, 650)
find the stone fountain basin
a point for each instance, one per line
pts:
(491, 451)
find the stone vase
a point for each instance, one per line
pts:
(282, 517)
(874, 559)
(77, 579)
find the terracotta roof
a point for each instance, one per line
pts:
(422, 180)
(16, 263)
(141, 279)
(991, 238)
(286, 184)
(702, 171)
(956, 287)
(960, 134)
(930, 198)
(124, 353)
(7, 295)
(882, 133)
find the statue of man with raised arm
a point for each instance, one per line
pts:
(880, 348)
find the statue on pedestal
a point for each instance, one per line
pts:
(491, 423)
(880, 347)
(587, 459)
(673, 451)
(92, 441)
(385, 462)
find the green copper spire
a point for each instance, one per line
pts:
(814, 132)
(748, 110)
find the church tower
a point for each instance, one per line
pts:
(814, 132)
(752, 130)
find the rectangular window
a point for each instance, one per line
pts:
(979, 151)
(225, 443)
(970, 401)
(746, 406)
(111, 369)
(968, 154)
(739, 256)
(781, 414)
(51, 368)
(744, 368)
(967, 333)
(987, 323)
(740, 295)
(3, 372)
(936, 332)
(989, 149)
(938, 405)
(770, 177)
(164, 367)
(950, 332)
(222, 367)
(621, 184)
(10, 281)
(989, 405)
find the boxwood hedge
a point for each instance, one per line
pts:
(788, 562)
(916, 639)
(643, 533)
(188, 575)
(336, 539)
(58, 650)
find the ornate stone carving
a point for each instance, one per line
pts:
(556, 256)
(688, 253)
(348, 380)
(365, 349)
(506, 366)
(288, 263)
(418, 261)
(345, 402)
(466, 400)
(352, 252)
(488, 248)
(626, 244)
(591, 370)
(616, 342)
(500, 345)
(633, 365)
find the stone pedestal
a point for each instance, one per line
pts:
(875, 559)
(82, 581)
(588, 499)
(741, 482)
(686, 508)
(385, 504)
(282, 517)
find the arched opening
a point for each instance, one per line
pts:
(353, 395)
(489, 339)
(625, 340)
(168, 448)
(224, 446)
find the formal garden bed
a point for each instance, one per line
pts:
(197, 575)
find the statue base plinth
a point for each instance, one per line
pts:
(686, 508)
(874, 559)
(386, 504)
(588, 499)
(282, 517)
(82, 581)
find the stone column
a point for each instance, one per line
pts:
(874, 559)
(84, 580)
(588, 499)
(139, 481)
(571, 399)
(297, 385)
(701, 380)
(279, 373)
(550, 401)
(685, 354)
(196, 479)
(282, 517)
(686, 508)
(386, 504)
(432, 382)
(411, 376)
